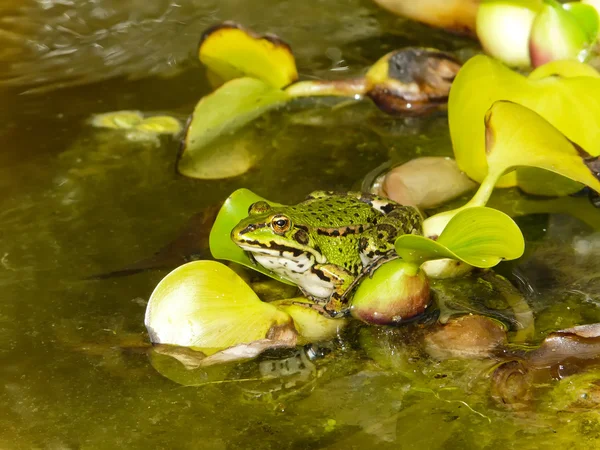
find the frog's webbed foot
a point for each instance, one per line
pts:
(320, 306)
(341, 280)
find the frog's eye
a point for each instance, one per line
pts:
(259, 208)
(280, 224)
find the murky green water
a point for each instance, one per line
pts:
(78, 201)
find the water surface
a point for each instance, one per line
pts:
(78, 201)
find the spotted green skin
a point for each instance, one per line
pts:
(331, 238)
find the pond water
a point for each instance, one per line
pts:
(78, 201)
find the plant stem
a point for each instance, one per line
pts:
(338, 88)
(485, 190)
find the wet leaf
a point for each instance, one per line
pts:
(134, 120)
(160, 125)
(587, 18)
(117, 119)
(233, 210)
(231, 51)
(478, 236)
(567, 102)
(206, 306)
(517, 136)
(567, 68)
(223, 112)
(503, 29)
(556, 34)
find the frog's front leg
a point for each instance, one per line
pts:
(341, 279)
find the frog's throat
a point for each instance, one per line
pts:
(278, 250)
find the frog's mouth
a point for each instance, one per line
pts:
(276, 250)
(285, 264)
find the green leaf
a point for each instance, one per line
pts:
(587, 18)
(206, 306)
(223, 112)
(478, 236)
(233, 210)
(503, 29)
(555, 35)
(231, 51)
(517, 136)
(568, 103)
(566, 68)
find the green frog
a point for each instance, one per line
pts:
(326, 242)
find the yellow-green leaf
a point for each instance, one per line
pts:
(566, 68)
(503, 29)
(206, 306)
(233, 210)
(231, 51)
(478, 236)
(586, 16)
(555, 35)
(517, 136)
(567, 102)
(223, 112)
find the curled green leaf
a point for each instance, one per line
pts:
(233, 210)
(503, 29)
(206, 306)
(478, 236)
(557, 34)
(568, 102)
(587, 18)
(223, 112)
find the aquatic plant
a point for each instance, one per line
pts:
(534, 32)
(522, 140)
(256, 73)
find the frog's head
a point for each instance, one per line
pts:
(273, 230)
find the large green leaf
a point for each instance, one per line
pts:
(503, 29)
(223, 112)
(586, 16)
(518, 136)
(556, 34)
(233, 210)
(206, 306)
(478, 236)
(231, 51)
(567, 102)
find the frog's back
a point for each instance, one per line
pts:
(334, 212)
(336, 222)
